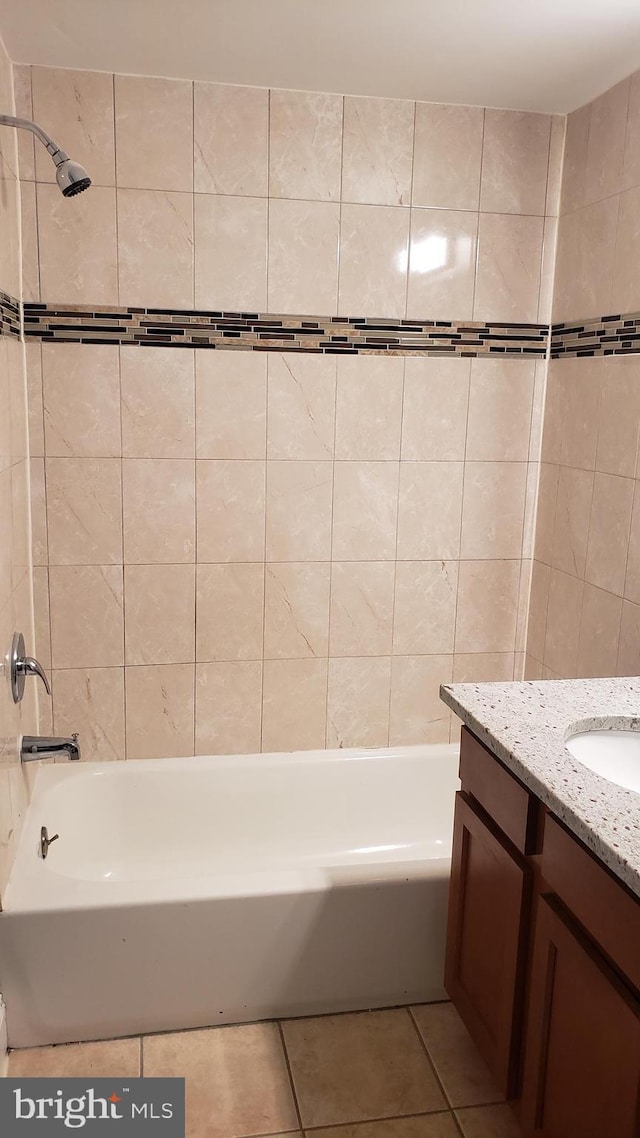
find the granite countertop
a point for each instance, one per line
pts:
(525, 724)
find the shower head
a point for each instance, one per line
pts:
(70, 176)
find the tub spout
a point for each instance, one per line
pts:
(35, 746)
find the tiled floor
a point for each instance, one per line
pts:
(404, 1073)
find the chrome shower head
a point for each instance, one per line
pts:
(72, 178)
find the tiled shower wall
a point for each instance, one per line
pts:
(585, 600)
(16, 610)
(266, 550)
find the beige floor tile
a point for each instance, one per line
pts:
(237, 1081)
(440, 1125)
(112, 1059)
(488, 1122)
(465, 1078)
(352, 1068)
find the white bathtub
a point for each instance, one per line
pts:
(190, 892)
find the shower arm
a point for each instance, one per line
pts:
(55, 151)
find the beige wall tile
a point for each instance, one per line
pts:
(554, 175)
(91, 702)
(296, 610)
(460, 1069)
(429, 510)
(76, 108)
(417, 713)
(158, 511)
(305, 145)
(362, 598)
(231, 404)
(584, 262)
(632, 576)
(84, 511)
(154, 133)
(447, 156)
(35, 408)
(483, 667)
(609, 529)
(582, 384)
(303, 257)
(155, 248)
(159, 612)
(515, 158)
(160, 711)
(158, 412)
(29, 233)
(487, 606)
(500, 400)
(619, 422)
(625, 290)
(425, 607)
(537, 615)
(81, 393)
(231, 139)
(238, 1080)
(230, 612)
(228, 708)
(231, 510)
(493, 510)
(571, 530)
(547, 269)
(599, 633)
(373, 1062)
(358, 702)
(374, 244)
(631, 162)
(442, 264)
(86, 616)
(553, 425)
(365, 509)
(230, 252)
(300, 406)
(628, 663)
(369, 407)
(377, 151)
(38, 503)
(434, 420)
(605, 146)
(78, 254)
(24, 108)
(563, 623)
(299, 510)
(509, 260)
(575, 159)
(294, 705)
(41, 615)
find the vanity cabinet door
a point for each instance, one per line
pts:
(582, 1055)
(489, 903)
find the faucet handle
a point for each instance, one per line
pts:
(23, 666)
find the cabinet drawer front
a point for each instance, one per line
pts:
(506, 801)
(594, 896)
(486, 940)
(582, 1052)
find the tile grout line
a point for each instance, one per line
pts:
(294, 1094)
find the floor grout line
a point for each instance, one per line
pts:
(290, 1074)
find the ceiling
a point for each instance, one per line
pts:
(540, 55)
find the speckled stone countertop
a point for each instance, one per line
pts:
(526, 723)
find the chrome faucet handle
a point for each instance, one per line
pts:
(23, 666)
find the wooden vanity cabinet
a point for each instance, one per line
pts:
(543, 959)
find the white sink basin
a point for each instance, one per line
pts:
(615, 755)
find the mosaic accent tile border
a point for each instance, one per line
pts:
(603, 336)
(9, 315)
(253, 331)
